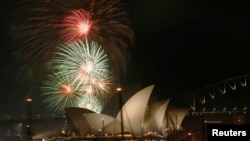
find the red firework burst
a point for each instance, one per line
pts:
(41, 25)
(76, 25)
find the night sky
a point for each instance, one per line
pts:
(180, 46)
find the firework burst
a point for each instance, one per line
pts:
(87, 62)
(41, 25)
(79, 70)
(76, 25)
(92, 103)
(59, 91)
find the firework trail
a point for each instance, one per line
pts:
(84, 66)
(41, 25)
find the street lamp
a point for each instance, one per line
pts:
(121, 109)
(28, 101)
(102, 126)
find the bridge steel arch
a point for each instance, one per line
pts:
(229, 97)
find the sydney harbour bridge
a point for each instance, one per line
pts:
(229, 96)
(223, 102)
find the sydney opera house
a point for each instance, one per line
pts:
(135, 119)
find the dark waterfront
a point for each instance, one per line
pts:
(193, 128)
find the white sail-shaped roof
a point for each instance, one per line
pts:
(175, 117)
(154, 116)
(112, 106)
(75, 114)
(114, 127)
(134, 110)
(98, 121)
